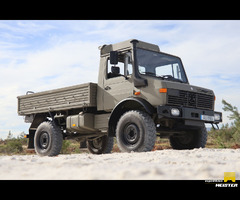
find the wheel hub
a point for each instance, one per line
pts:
(97, 143)
(44, 140)
(131, 134)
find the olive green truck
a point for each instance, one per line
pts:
(141, 93)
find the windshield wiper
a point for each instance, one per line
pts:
(153, 74)
(164, 77)
(149, 73)
(172, 78)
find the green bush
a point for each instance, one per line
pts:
(65, 146)
(14, 146)
(228, 136)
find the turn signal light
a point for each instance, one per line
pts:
(163, 90)
(137, 93)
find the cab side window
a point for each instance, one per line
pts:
(123, 68)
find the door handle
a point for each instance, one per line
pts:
(107, 88)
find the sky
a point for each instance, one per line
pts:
(40, 55)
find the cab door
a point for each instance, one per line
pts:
(118, 83)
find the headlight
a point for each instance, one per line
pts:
(217, 117)
(175, 112)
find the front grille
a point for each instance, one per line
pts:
(191, 99)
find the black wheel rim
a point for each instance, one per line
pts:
(97, 143)
(185, 139)
(131, 134)
(44, 140)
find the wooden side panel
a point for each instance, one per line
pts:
(59, 99)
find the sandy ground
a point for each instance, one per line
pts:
(196, 164)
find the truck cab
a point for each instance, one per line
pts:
(139, 73)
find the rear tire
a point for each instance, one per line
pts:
(48, 139)
(135, 131)
(100, 145)
(192, 139)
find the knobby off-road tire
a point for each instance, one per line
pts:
(100, 145)
(192, 139)
(48, 139)
(136, 132)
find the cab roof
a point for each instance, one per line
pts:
(125, 45)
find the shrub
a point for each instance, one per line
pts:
(228, 136)
(14, 146)
(65, 146)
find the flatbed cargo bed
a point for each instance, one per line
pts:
(77, 96)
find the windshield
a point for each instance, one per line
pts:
(160, 65)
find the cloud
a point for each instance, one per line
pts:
(59, 65)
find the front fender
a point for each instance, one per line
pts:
(131, 103)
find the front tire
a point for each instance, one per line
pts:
(48, 139)
(136, 132)
(190, 140)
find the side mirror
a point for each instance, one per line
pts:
(113, 57)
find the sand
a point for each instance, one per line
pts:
(168, 164)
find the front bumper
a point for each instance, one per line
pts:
(189, 114)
